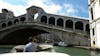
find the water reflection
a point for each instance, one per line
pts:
(95, 53)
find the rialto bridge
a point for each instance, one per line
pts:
(16, 30)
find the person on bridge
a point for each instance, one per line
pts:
(32, 46)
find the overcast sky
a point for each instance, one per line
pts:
(75, 8)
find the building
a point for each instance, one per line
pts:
(94, 11)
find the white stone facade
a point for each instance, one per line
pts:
(94, 10)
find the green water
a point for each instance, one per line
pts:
(5, 48)
(72, 51)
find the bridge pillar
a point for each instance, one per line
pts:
(64, 24)
(55, 22)
(47, 20)
(84, 27)
(73, 26)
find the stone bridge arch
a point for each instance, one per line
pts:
(20, 35)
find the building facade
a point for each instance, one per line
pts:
(94, 11)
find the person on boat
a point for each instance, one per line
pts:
(32, 46)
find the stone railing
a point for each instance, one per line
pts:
(44, 25)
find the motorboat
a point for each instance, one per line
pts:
(18, 51)
(62, 44)
(35, 54)
(20, 48)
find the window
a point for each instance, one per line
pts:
(69, 24)
(94, 42)
(52, 20)
(3, 25)
(92, 13)
(22, 19)
(60, 22)
(44, 19)
(87, 28)
(9, 23)
(16, 21)
(93, 32)
(79, 25)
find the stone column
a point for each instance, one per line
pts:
(73, 26)
(64, 24)
(55, 21)
(84, 27)
(47, 20)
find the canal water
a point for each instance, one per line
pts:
(72, 51)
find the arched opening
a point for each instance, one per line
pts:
(60, 22)
(16, 21)
(21, 36)
(22, 19)
(36, 16)
(44, 19)
(87, 28)
(52, 20)
(79, 25)
(69, 24)
(9, 23)
(3, 25)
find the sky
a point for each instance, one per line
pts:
(74, 8)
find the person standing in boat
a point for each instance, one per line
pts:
(32, 46)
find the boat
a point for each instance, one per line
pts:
(35, 54)
(18, 51)
(20, 48)
(61, 43)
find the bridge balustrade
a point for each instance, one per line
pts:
(64, 29)
(41, 24)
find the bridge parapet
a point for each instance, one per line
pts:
(77, 31)
(44, 25)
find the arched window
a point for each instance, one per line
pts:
(69, 24)
(22, 19)
(52, 20)
(3, 25)
(16, 21)
(60, 22)
(79, 25)
(9, 23)
(44, 19)
(87, 28)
